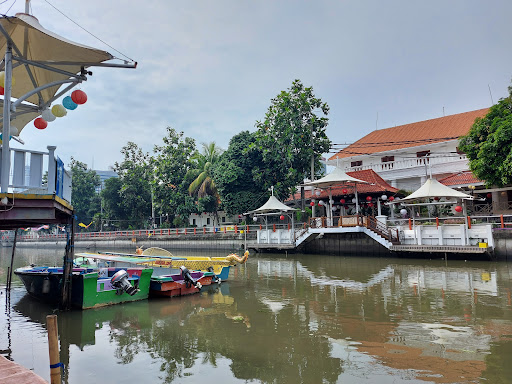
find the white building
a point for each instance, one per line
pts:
(405, 156)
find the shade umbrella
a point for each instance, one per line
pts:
(336, 177)
(40, 62)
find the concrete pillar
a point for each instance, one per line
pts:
(52, 169)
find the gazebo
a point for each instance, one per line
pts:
(277, 236)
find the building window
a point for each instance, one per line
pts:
(356, 163)
(422, 154)
(193, 221)
(387, 159)
(207, 221)
(223, 219)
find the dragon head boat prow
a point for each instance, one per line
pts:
(233, 258)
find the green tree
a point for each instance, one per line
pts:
(171, 179)
(235, 174)
(203, 184)
(83, 191)
(135, 177)
(113, 204)
(292, 134)
(488, 145)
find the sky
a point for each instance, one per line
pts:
(209, 69)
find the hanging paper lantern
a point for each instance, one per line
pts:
(342, 201)
(354, 200)
(383, 197)
(489, 195)
(458, 208)
(345, 191)
(2, 90)
(391, 198)
(312, 203)
(2, 80)
(68, 103)
(403, 211)
(317, 192)
(334, 208)
(370, 205)
(39, 123)
(48, 116)
(14, 130)
(79, 97)
(59, 111)
(436, 198)
(254, 218)
(368, 198)
(281, 217)
(321, 202)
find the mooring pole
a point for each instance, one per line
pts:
(67, 269)
(9, 277)
(53, 347)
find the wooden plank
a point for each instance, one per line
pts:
(13, 373)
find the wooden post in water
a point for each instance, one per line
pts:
(9, 274)
(67, 270)
(53, 347)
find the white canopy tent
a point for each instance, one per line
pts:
(336, 177)
(274, 207)
(433, 188)
(37, 63)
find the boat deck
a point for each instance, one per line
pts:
(13, 373)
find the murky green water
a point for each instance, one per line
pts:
(295, 319)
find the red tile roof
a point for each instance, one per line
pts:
(412, 135)
(461, 178)
(377, 186)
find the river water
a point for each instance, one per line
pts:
(283, 319)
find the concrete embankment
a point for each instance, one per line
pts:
(218, 241)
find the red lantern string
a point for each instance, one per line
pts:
(368, 198)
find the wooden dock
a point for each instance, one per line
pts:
(13, 373)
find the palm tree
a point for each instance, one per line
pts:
(203, 184)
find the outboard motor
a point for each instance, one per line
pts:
(120, 281)
(189, 280)
(215, 277)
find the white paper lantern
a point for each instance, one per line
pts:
(48, 116)
(384, 197)
(321, 202)
(403, 211)
(317, 192)
(254, 218)
(354, 200)
(14, 130)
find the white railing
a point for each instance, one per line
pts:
(27, 169)
(408, 163)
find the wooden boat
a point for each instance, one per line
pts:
(165, 280)
(91, 287)
(220, 266)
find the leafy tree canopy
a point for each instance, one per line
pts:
(234, 177)
(135, 175)
(488, 144)
(171, 179)
(292, 133)
(83, 191)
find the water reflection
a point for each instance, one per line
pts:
(310, 319)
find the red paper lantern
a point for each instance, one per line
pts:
(39, 123)
(436, 198)
(281, 217)
(342, 201)
(2, 90)
(391, 198)
(79, 97)
(368, 198)
(345, 191)
(489, 195)
(370, 205)
(458, 208)
(312, 203)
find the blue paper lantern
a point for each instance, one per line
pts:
(68, 103)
